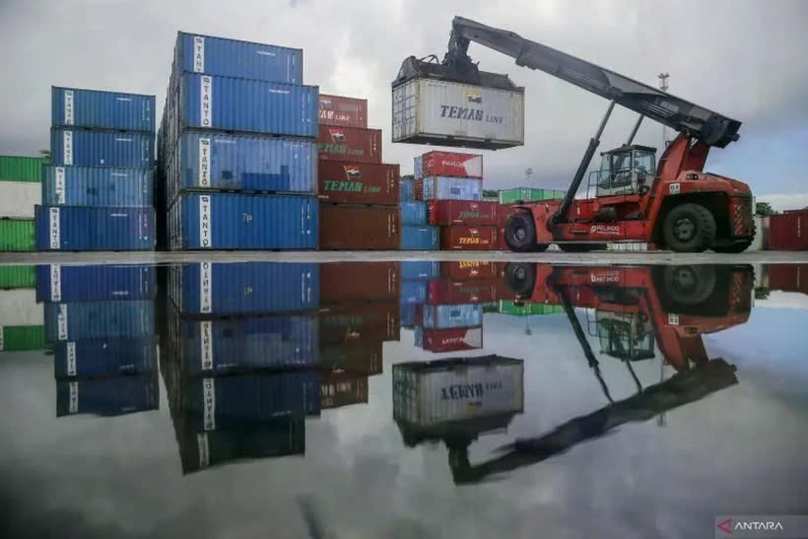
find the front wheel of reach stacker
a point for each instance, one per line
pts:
(689, 228)
(520, 232)
(521, 277)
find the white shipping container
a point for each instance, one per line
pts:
(19, 308)
(449, 113)
(17, 199)
(450, 390)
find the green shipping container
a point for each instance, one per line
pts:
(511, 308)
(17, 277)
(492, 307)
(16, 235)
(525, 194)
(15, 338)
(20, 169)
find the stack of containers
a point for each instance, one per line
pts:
(359, 195)
(359, 311)
(97, 193)
(451, 318)
(237, 147)
(21, 319)
(452, 185)
(101, 323)
(416, 234)
(241, 360)
(415, 277)
(19, 193)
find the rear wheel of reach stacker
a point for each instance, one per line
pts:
(689, 228)
(520, 233)
(521, 277)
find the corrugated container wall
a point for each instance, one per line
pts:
(18, 338)
(243, 162)
(789, 231)
(17, 235)
(101, 148)
(55, 282)
(99, 320)
(350, 144)
(339, 389)
(358, 183)
(407, 184)
(210, 289)
(420, 238)
(17, 277)
(196, 53)
(469, 238)
(343, 111)
(450, 212)
(452, 316)
(413, 291)
(97, 186)
(251, 106)
(413, 213)
(369, 321)
(359, 228)
(20, 169)
(420, 270)
(448, 188)
(105, 357)
(453, 114)
(380, 281)
(72, 107)
(107, 396)
(238, 221)
(84, 228)
(17, 199)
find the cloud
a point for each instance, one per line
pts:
(783, 201)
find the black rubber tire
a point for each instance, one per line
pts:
(689, 228)
(581, 247)
(737, 247)
(521, 278)
(689, 285)
(520, 233)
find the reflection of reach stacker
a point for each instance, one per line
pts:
(634, 308)
(672, 203)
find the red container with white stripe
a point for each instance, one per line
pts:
(460, 165)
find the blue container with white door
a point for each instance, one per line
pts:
(86, 228)
(420, 238)
(197, 53)
(97, 186)
(97, 109)
(72, 146)
(57, 282)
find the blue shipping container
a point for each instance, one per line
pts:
(73, 107)
(407, 315)
(196, 53)
(98, 320)
(418, 167)
(275, 437)
(231, 401)
(105, 357)
(448, 188)
(413, 292)
(407, 188)
(243, 162)
(241, 221)
(101, 148)
(420, 238)
(452, 316)
(219, 289)
(84, 228)
(252, 106)
(212, 347)
(58, 283)
(97, 186)
(107, 396)
(413, 213)
(421, 269)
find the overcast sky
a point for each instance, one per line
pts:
(743, 59)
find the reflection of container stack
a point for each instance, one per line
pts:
(452, 185)
(19, 193)
(21, 321)
(97, 194)
(358, 194)
(359, 311)
(237, 150)
(101, 322)
(415, 277)
(241, 359)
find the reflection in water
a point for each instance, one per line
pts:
(248, 351)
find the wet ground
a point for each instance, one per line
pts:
(401, 399)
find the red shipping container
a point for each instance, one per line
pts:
(466, 212)
(468, 238)
(367, 320)
(453, 340)
(469, 269)
(788, 277)
(343, 111)
(359, 228)
(351, 144)
(358, 358)
(461, 165)
(789, 231)
(449, 292)
(342, 388)
(358, 183)
(342, 282)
